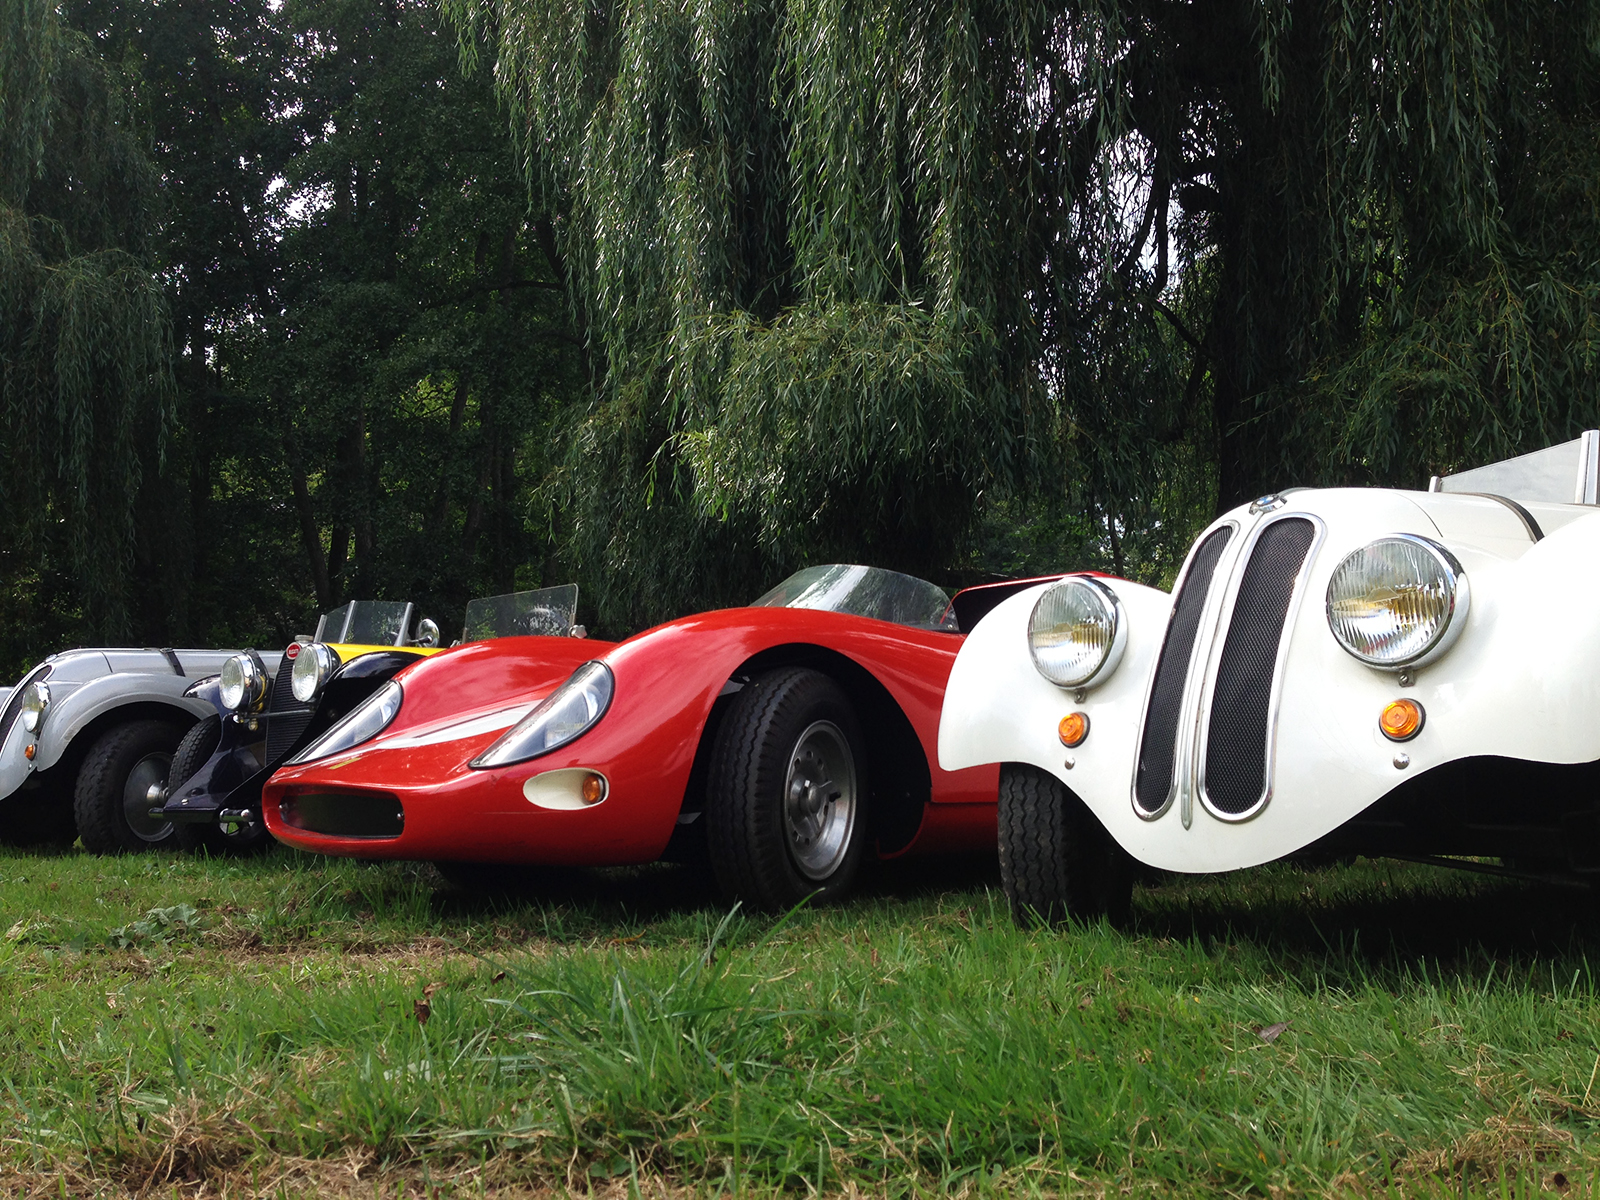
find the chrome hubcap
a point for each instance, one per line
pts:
(149, 772)
(819, 800)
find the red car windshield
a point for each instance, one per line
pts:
(864, 592)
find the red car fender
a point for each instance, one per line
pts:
(667, 682)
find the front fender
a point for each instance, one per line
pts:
(97, 698)
(999, 709)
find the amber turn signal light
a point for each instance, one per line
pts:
(594, 788)
(1073, 729)
(1402, 720)
(32, 749)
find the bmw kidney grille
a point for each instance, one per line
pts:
(1237, 709)
(1158, 748)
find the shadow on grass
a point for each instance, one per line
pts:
(1379, 921)
(657, 892)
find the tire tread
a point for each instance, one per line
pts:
(98, 826)
(744, 835)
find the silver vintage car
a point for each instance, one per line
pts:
(85, 734)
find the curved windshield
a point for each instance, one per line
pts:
(547, 612)
(367, 623)
(864, 592)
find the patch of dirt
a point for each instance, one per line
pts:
(355, 1176)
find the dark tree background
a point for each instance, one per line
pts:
(321, 300)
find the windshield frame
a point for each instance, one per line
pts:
(350, 609)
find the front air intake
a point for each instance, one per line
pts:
(1240, 732)
(344, 814)
(1158, 749)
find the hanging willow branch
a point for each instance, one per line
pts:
(871, 257)
(84, 354)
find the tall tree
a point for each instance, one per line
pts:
(84, 334)
(800, 265)
(842, 264)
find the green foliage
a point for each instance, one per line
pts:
(795, 243)
(84, 366)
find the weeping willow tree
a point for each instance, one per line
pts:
(798, 260)
(83, 333)
(846, 266)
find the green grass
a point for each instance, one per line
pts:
(184, 1023)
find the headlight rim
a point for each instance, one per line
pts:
(1460, 601)
(488, 761)
(32, 718)
(1110, 660)
(252, 684)
(325, 663)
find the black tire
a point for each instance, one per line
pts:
(105, 804)
(196, 749)
(197, 746)
(1057, 862)
(757, 823)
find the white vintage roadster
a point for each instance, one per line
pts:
(1337, 671)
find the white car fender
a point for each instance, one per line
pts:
(998, 708)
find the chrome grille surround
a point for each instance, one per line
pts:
(1200, 571)
(1193, 725)
(286, 717)
(1223, 644)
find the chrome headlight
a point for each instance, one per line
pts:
(1399, 602)
(243, 684)
(34, 702)
(312, 667)
(1076, 633)
(561, 716)
(361, 724)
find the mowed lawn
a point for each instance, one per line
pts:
(293, 1026)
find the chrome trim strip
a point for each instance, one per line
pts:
(1528, 523)
(1286, 635)
(1150, 680)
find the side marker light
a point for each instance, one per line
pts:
(1401, 720)
(1073, 729)
(32, 749)
(594, 788)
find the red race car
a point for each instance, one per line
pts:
(782, 740)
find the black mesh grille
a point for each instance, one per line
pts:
(14, 704)
(287, 718)
(1236, 749)
(1159, 745)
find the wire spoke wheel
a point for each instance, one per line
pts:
(819, 800)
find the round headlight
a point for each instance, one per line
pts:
(312, 668)
(1076, 632)
(34, 702)
(242, 684)
(1399, 602)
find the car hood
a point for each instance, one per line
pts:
(468, 682)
